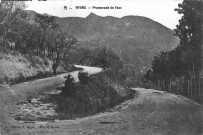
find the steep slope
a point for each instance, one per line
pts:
(16, 68)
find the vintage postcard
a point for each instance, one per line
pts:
(101, 67)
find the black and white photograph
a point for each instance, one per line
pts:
(101, 67)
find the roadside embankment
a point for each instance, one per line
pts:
(17, 68)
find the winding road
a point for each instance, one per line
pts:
(32, 88)
(150, 112)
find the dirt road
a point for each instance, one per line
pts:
(150, 113)
(10, 95)
(29, 89)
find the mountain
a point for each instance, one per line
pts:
(135, 39)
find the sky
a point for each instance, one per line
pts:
(161, 11)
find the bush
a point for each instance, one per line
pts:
(68, 89)
(88, 99)
(83, 77)
(105, 58)
(99, 94)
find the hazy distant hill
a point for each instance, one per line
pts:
(134, 38)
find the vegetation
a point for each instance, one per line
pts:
(105, 58)
(68, 89)
(83, 77)
(125, 74)
(100, 57)
(99, 94)
(41, 36)
(10, 14)
(179, 70)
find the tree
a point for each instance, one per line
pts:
(45, 21)
(84, 56)
(9, 13)
(69, 42)
(26, 37)
(184, 63)
(68, 89)
(105, 58)
(59, 42)
(189, 30)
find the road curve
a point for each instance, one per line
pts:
(152, 112)
(46, 84)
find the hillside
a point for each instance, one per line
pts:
(16, 68)
(134, 38)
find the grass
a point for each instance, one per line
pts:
(6, 109)
(16, 68)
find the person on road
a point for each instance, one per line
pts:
(54, 67)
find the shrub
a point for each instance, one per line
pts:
(68, 89)
(83, 77)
